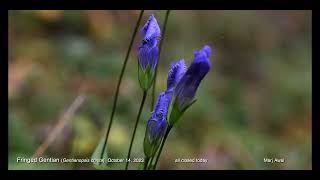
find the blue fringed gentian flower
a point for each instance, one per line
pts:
(148, 53)
(186, 88)
(182, 85)
(157, 124)
(176, 71)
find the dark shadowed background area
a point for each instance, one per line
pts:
(255, 103)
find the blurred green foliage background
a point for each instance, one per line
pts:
(255, 103)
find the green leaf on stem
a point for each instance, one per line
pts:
(98, 163)
(146, 77)
(175, 113)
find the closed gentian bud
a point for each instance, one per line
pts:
(176, 71)
(185, 90)
(157, 124)
(148, 53)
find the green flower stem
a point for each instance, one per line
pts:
(160, 47)
(146, 162)
(119, 82)
(162, 144)
(150, 163)
(135, 127)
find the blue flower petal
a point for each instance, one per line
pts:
(157, 123)
(154, 56)
(186, 88)
(176, 71)
(162, 105)
(148, 51)
(155, 129)
(151, 30)
(148, 56)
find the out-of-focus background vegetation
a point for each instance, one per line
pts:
(255, 103)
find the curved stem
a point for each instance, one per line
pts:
(119, 83)
(146, 162)
(135, 127)
(150, 163)
(160, 47)
(162, 144)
